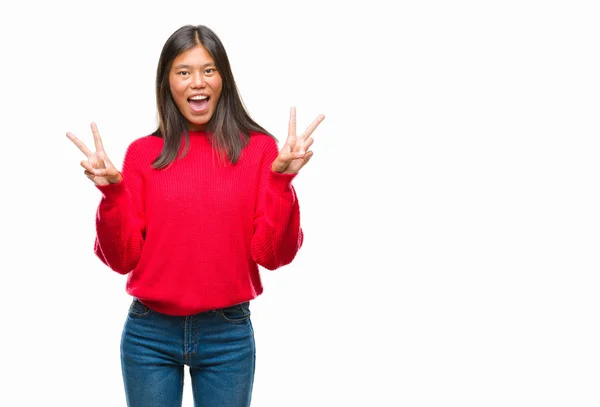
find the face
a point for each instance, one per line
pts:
(196, 86)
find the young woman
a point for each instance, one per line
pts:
(198, 206)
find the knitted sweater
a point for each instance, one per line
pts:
(191, 236)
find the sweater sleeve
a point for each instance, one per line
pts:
(277, 232)
(120, 218)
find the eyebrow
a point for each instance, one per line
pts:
(185, 66)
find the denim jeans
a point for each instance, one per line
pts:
(218, 346)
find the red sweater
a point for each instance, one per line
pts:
(191, 236)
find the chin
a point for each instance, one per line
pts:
(197, 124)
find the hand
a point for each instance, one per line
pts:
(295, 153)
(98, 167)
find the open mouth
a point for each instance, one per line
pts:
(199, 103)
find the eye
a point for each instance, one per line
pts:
(183, 73)
(210, 70)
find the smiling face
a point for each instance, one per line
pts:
(195, 86)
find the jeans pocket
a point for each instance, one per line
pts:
(137, 309)
(236, 314)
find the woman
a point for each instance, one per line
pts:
(198, 206)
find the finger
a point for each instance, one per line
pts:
(305, 146)
(79, 144)
(89, 175)
(307, 158)
(309, 130)
(291, 139)
(98, 171)
(107, 172)
(97, 139)
(89, 167)
(308, 143)
(96, 162)
(286, 157)
(104, 159)
(108, 161)
(279, 164)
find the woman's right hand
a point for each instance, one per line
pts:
(98, 167)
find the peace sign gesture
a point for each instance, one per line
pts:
(295, 153)
(98, 167)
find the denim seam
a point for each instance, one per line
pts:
(238, 321)
(186, 355)
(134, 306)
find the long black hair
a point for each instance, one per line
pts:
(230, 126)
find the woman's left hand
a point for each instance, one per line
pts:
(295, 152)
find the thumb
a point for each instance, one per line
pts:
(282, 161)
(113, 175)
(279, 165)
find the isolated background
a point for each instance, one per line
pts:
(451, 210)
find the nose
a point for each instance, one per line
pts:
(197, 80)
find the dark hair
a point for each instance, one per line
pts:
(230, 126)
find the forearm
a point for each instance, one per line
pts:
(119, 230)
(278, 235)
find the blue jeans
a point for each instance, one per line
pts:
(217, 345)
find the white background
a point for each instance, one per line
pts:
(451, 209)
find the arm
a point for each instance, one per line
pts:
(277, 232)
(120, 218)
